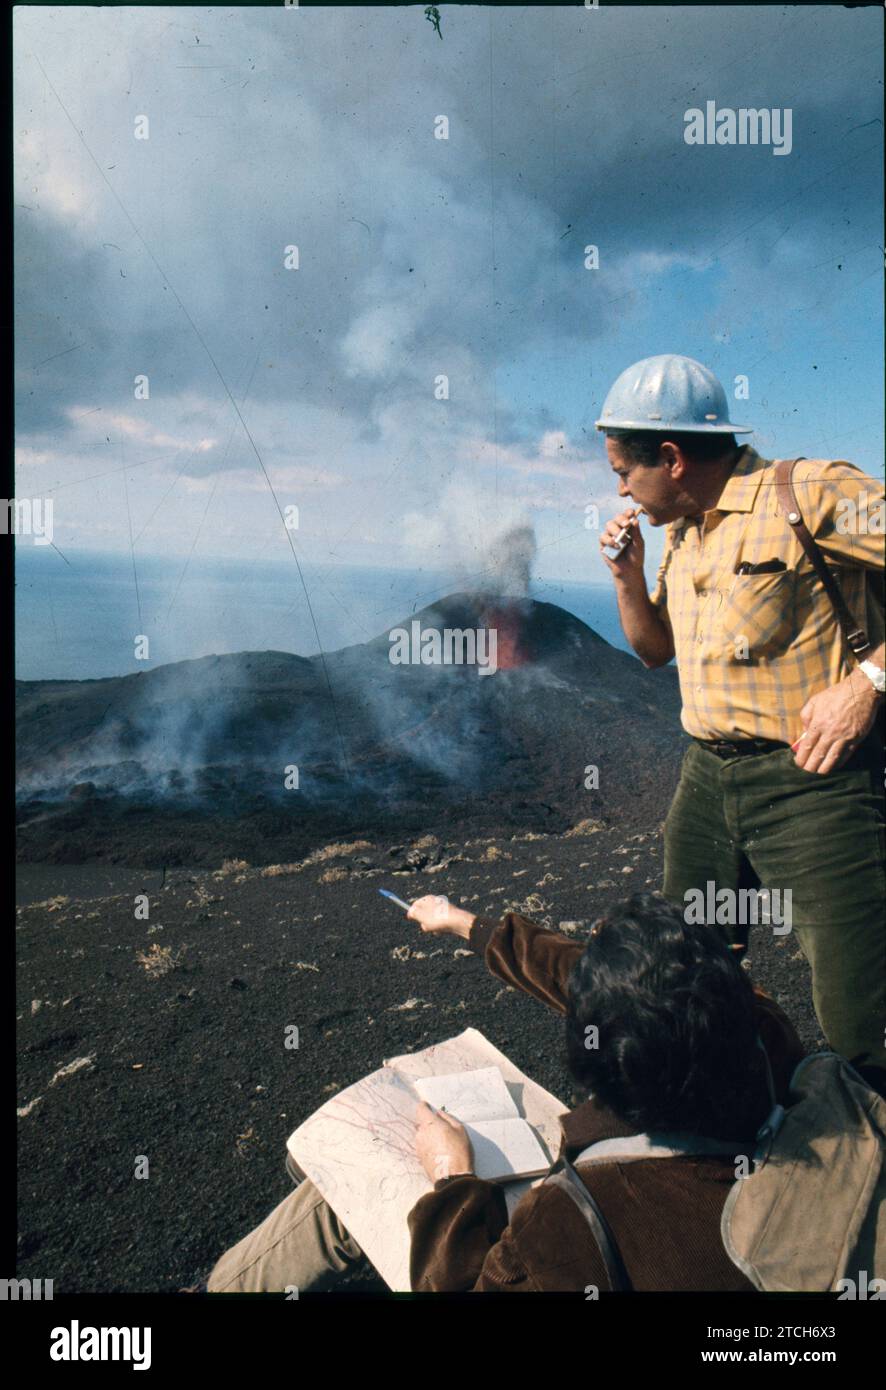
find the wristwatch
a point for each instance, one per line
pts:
(875, 674)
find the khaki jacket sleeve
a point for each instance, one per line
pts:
(527, 956)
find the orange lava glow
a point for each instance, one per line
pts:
(508, 624)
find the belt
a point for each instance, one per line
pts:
(740, 748)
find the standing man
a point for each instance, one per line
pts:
(782, 784)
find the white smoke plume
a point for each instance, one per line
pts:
(509, 567)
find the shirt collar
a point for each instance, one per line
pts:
(739, 494)
(743, 483)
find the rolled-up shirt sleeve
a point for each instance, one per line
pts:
(843, 509)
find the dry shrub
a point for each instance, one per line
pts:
(584, 827)
(232, 866)
(533, 905)
(320, 856)
(159, 960)
(202, 896)
(332, 875)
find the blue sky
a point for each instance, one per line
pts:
(420, 256)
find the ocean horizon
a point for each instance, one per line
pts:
(79, 620)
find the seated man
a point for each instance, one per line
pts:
(679, 1028)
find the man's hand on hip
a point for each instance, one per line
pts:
(835, 721)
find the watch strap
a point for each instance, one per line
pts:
(875, 674)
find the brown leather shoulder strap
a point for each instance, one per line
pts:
(855, 636)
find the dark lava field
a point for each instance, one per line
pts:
(187, 764)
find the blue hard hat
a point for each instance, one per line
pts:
(668, 393)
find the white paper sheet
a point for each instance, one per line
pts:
(469, 1095)
(505, 1146)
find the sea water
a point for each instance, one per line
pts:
(80, 620)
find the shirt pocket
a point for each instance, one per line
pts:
(758, 614)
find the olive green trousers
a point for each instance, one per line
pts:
(762, 821)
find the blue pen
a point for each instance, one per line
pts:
(394, 899)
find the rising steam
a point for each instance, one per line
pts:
(509, 567)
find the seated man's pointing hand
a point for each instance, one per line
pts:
(437, 914)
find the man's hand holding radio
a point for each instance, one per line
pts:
(643, 626)
(627, 566)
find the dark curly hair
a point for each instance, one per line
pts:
(677, 1029)
(642, 446)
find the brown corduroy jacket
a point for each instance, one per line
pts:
(664, 1213)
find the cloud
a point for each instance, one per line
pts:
(376, 341)
(554, 456)
(418, 258)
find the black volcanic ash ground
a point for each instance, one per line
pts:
(188, 1067)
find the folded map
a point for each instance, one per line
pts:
(359, 1147)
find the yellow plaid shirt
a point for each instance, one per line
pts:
(752, 648)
